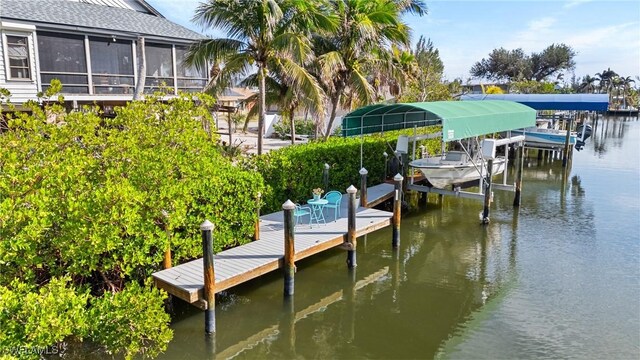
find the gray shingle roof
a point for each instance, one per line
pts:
(92, 16)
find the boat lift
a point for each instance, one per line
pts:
(485, 186)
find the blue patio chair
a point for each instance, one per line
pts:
(334, 199)
(301, 211)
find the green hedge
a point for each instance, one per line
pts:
(99, 200)
(292, 172)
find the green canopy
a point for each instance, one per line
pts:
(459, 119)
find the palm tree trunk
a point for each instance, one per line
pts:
(262, 105)
(334, 107)
(293, 127)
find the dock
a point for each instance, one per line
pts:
(246, 262)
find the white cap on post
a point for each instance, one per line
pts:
(206, 226)
(288, 205)
(352, 189)
(398, 177)
(363, 171)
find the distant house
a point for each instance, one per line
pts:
(90, 46)
(238, 97)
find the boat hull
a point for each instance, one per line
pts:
(545, 137)
(440, 174)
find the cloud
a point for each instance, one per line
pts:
(574, 3)
(536, 35)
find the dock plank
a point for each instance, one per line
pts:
(246, 262)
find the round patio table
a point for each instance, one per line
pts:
(317, 214)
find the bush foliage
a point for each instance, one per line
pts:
(291, 172)
(88, 206)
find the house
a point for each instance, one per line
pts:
(90, 46)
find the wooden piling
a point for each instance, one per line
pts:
(256, 231)
(423, 198)
(289, 250)
(519, 169)
(386, 164)
(351, 228)
(397, 206)
(209, 277)
(325, 176)
(565, 154)
(487, 192)
(363, 187)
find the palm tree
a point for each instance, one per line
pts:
(260, 33)
(626, 87)
(587, 84)
(366, 27)
(605, 78)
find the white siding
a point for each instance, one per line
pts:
(21, 91)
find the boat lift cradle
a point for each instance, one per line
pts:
(488, 147)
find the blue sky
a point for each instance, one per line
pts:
(603, 33)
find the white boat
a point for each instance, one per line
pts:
(455, 168)
(539, 137)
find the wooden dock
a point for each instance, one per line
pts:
(243, 263)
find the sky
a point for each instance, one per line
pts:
(605, 33)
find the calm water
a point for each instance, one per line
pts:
(560, 278)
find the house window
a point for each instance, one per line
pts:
(190, 79)
(18, 55)
(159, 67)
(111, 66)
(62, 57)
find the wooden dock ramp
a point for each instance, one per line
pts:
(243, 263)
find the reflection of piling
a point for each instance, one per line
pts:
(363, 187)
(519, 169)
(397, 206)
(487, 193)
(209, 277)
(289, 250)
(288, 327)
(351, 228)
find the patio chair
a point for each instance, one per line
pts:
(334, 199)
(301, 211)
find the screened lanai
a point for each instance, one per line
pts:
(459, 120)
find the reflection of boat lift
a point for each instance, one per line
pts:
(274, 330)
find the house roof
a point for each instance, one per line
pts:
(459, 119)
(92, 18)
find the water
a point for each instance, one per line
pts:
(558, 278)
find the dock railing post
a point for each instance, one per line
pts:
(209, 277)
(289, 249)
(325, 176)
(519, 169)
(363, 187)
(487, 192)
(351, 228)
(256, 232)
(397, 206)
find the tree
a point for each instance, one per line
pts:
(604, 78)
(426, 83)
(347, 55)
(260, 34)
(587, 84)
(512, 65)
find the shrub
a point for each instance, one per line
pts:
(98, 201)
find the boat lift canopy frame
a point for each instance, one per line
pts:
(459, 120)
